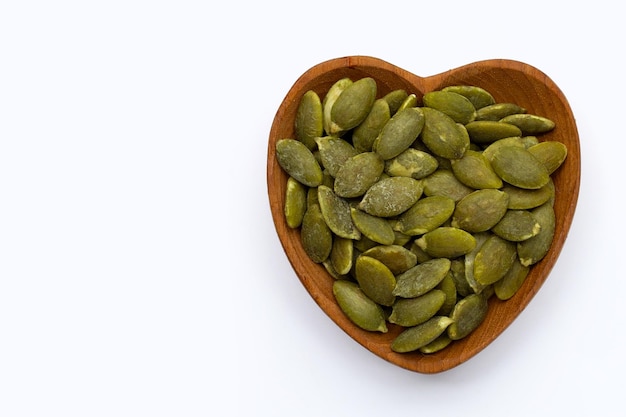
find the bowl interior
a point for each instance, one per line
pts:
(507, 81)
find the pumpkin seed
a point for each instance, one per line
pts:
(410, 312)
(399, 133)
(332, 94)
(375, 228)
(512, 281)
(299, 162)
(341, 255)
(529, 124)
(510, 141)
(455, 105)
(551, 154)
(487, 131)
(395, 99)
(421, 335)
(358, 174)
(442, 182)
(497, 111)
(395, 257)
(519, 167)
(516, 226)
(309, 119)
(442, 135)
(409, 101)
(391, 196)
(412, 163)
(440, 343)
(421, 278)
(493, 260)
(316, 236)
(446, 242)
(375, 280)
(479, 97)
(336, 212)
(425, 215)
(467, 315)
(480, 210)
(353, 105)
(295, 202)
(334, 152)
(475, 171)
(535, 249)
(360, 309)
(448, 287)
(468, 266)
(522, 199)
(364, 134)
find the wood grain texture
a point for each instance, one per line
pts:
(508, 81)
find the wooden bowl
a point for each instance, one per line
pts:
(507, 81)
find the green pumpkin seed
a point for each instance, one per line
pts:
(375, 228)
(493, 260)
(309, 119)
(410, 312)
(421, 278)
(341, 255)
(316, 236)
(551, 154)
(442, 182)
(329, 100)
(395, 99)
(529, 141)
(480, 210)
(448, 287)
(516, 226)
(395, 257)
(479, 97)
(536, 248)
(399, 133)
(446, 242)
(361, 310)
(512, 281)
(467, 315)
(522, 199)
(487, 131)
(295, 202)
(530, 124)
(391, 196)
(457, 270)
(468, 266)
(419, 253)
(421, 335)
(440, 343)
(299, 162)
(442, 135)
(518, 167)
(334, 152)
(475, 171)
(494, 146)
(409, 101)
(497, 111)
(353, 105)
(375, 280)
(412, 163)
(358, 174)
(336, 212)
(366, 133)
(328, 265)
(425, 215)
(455, 105)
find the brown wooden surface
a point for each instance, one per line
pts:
(508, 81)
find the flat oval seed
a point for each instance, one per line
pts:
(425, 215)
(353, 105)
(517, 226)
(467, 315)
(475, 171)
(530, 124)
(334, 152)
(366, 133)
(522, 199)
(493, 260)
(468, 265)
(309, 119)
(448, 287)
(440, 343)
(442, 182)
(333, 93)
(391, 196)
(487, 131)
(412, 163)
(375, 280)
(395, 99)
(478, 96)
(455, 105)
(535, 249)
(361, 310)
(410, 312)
(316, 236)
(336, 212)
(446, 242)
(399, 133)
(409, 101)
(511, 141)
(396, 257)
(358, 174)
(295, 202)
(551, 154)
(374, 228)
(421, 278)
(480, 210)
(497, 111)
(416, 337)
(341, 255)
(442, 135)
(512, 281)
(518, 167)
(299, 162)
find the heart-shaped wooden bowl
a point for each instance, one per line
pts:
(508, 81)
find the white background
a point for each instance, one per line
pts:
(140, 272)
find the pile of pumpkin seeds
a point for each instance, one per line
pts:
(420, 212)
